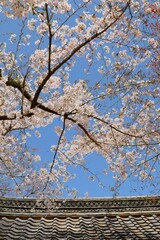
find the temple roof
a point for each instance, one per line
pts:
(90, 219)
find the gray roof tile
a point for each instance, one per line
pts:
(91, 219)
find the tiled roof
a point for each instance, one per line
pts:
(91, 219)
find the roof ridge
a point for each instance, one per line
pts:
(107, 205)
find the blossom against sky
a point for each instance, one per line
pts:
(79, 97)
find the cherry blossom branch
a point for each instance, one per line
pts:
(112, 127)
(79, 7)
(11, 129)
(75, 50)
(17, 85)
(85, 131)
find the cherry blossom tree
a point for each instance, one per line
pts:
(89, 70)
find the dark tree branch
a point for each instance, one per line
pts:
(50, 38)
(85, 131)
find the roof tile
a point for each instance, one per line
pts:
(92, 219)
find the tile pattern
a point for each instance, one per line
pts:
(79, 222)
(93, 228)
